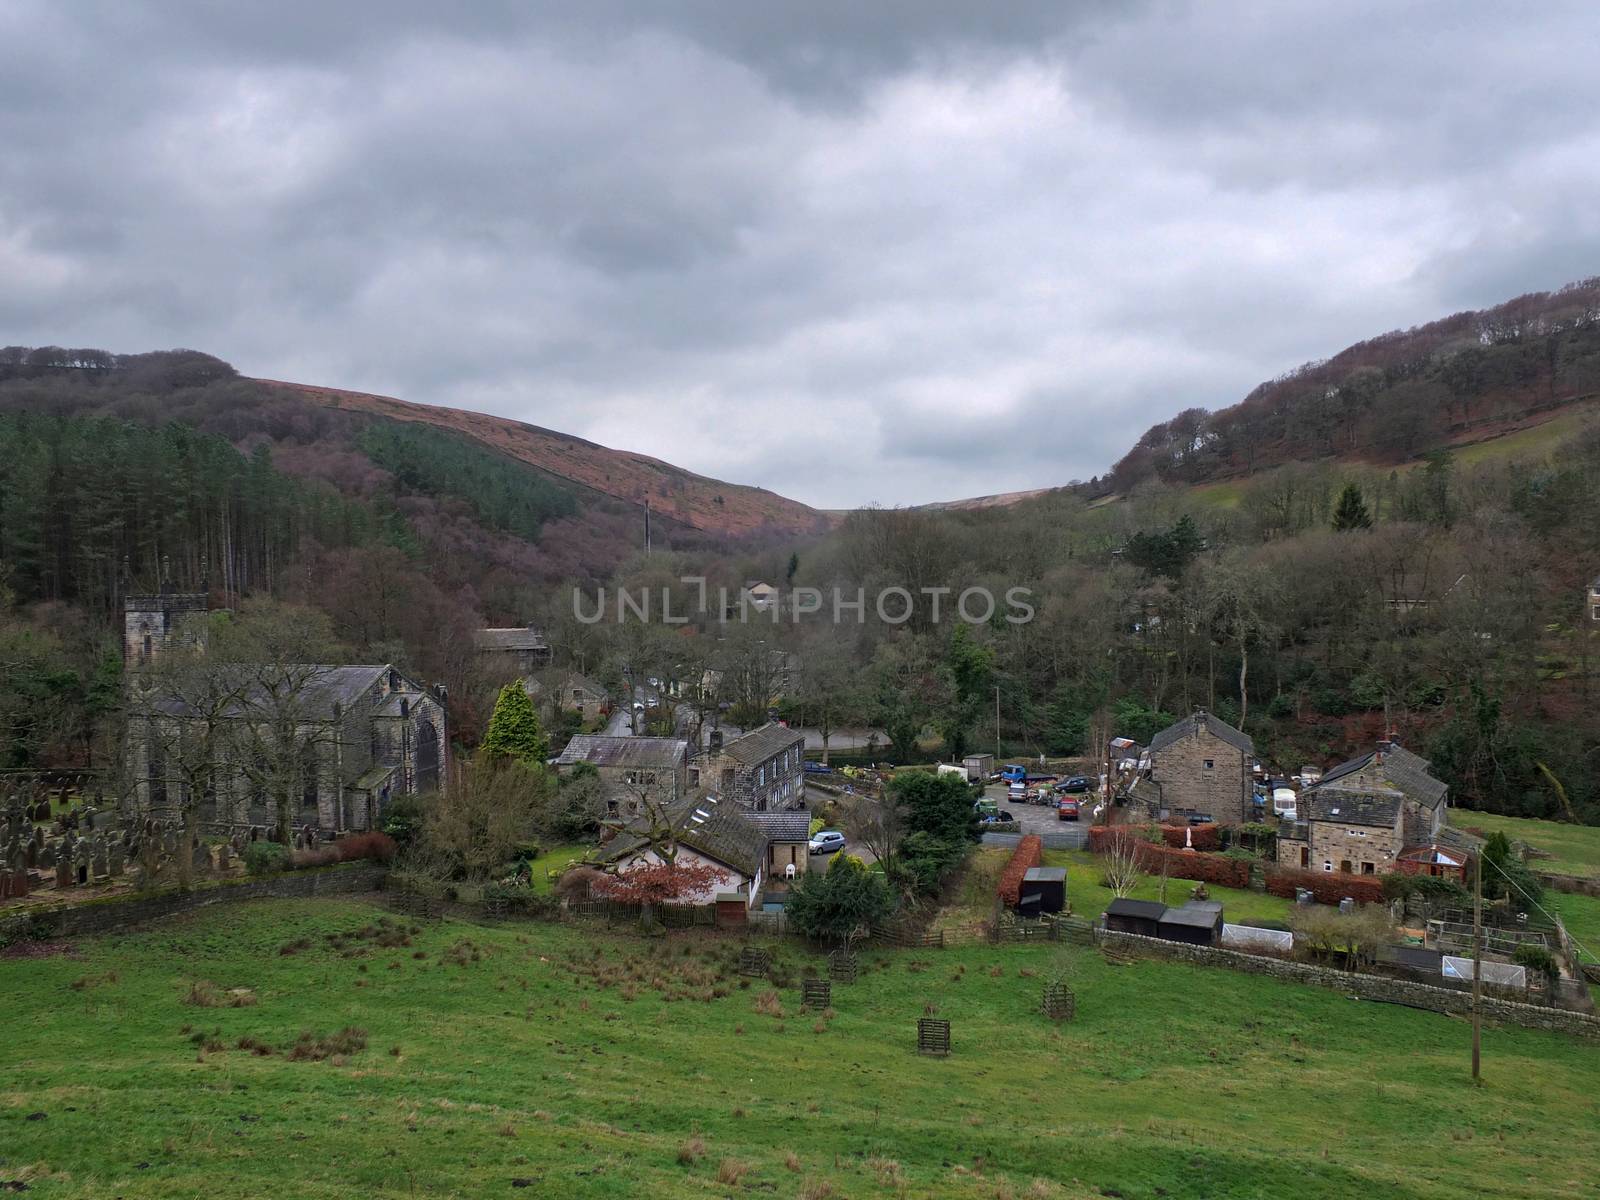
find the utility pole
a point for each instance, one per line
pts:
(1477, 959)
(997, 723)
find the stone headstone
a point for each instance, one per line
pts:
(115, 860)
(98, 861)
(47, 857)
(64, 876)
(200, 856)
(169, 841)
(224, 857)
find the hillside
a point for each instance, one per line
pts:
(694, 501)
(1467, 379)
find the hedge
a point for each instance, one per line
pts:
(1191, 864)
(1326, 886)
(1028, 854)
(1201, 837)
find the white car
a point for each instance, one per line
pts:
(827, 841)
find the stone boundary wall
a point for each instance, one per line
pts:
(121, 912)
(1578, 885)
(1366, 987)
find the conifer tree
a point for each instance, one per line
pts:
(1352, 510)
(514, 730)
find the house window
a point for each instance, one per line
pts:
(694, 776)
(1368, 869)
(1344, 865)
(1209, 764)
(1327, 864)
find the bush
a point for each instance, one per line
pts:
(377, 847)
(1200, 837)
(403, 821)
(1537, 960)
(1325, 886)
(1189, 864)
(267, 858)
(1028, 854)
(839, 901)
(1398, 886)
(1281, 706)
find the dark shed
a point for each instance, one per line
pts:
(1044, 890)
(1199, 923)
(1134, 916)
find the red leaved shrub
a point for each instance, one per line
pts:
(379, 847)
(322, 856)
(1191, 864)
(1028, 854)
(1328, 887)
(1102, 838)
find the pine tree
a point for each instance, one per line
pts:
(1352, 510)
(514, 729)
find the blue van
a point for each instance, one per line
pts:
(1014, 773)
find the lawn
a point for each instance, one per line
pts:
(1089, 897)
(553, 859)
(579, 1063)
(1574, 849)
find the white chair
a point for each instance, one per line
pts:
(788, 871)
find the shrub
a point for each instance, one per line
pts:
(1537, 960)
(374, 846)
(1028, 854)
(1325, 886)
(267, 858)
(1434, 887)
(1189, 864)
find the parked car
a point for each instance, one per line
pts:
(1014, 773)
(827, 841)
(1067, 809)
(1078, 783)
(1201, 819)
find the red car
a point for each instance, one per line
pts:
(1067, 810)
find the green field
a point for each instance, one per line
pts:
(551, 1061)
(1573, 849)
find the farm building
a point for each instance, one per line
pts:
(1199, 923)
(1044, 890)
(1134, 916)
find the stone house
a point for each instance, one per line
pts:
(764, 770)
(704, 831)
(576, 692)
(788, 841)
(1199, 766)
(636, 771)
(506, 653)
(343, 740)
(1375, 814)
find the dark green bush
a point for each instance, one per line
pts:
(266, 858)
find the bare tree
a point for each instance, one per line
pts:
(1121, 871)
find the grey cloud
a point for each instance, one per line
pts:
(894, 252)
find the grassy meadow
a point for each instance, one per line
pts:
(368, 1059)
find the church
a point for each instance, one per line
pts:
(341, 742)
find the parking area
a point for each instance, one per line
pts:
(1040, 819)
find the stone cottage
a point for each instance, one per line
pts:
(636, 771)
(1375, 814)
(704, 832)
(342, 741)
(764, 770)
(574, 692)
(506, 653)
(1200, 766)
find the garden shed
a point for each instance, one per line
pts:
(1198, 922)
(1134, 916)
(1044, 890)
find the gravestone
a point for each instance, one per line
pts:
(115, 860)
(80, 861)
(200, 857)
(47, 857)
(64, 872)
(98, 859)
(224, 857)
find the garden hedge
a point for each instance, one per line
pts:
(1326, 886)
(1028, 854)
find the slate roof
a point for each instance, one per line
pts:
(323, 687)
(1366, 806)
(761, 744)
(1045, 875)
(1193, 724)
(515, 638)
(1192, 916)
(793, 826)
(1144, 910)
(1404, 770)
(660, 753)
(716, 830)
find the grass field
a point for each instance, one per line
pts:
(571, 1063)
(1573, 849)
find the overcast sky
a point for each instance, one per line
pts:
(852, 251)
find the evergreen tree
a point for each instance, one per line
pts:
(514, 731)
(1351, 512)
